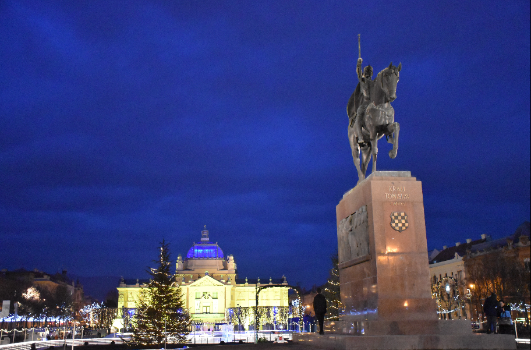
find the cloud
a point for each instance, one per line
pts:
(120, 126)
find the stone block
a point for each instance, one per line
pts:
(385, 287)
(396, 342)
(396, 269)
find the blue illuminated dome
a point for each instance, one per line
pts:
(205, 251)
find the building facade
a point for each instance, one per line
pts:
(462, 276)
(211, 289)
(39, 296)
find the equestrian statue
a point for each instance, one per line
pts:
(371, 115)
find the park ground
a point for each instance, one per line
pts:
(290, 346)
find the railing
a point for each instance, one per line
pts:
(192, 338)
(27, 345)
(236, 336)
(522, 336)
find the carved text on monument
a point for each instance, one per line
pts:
(396, 196)
(400, 195)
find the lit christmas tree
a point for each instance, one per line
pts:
(160, 310)
(331, 292)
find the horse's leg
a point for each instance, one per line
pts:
(356, 157)
(374, 148)
(374, 155)
(370, 116)
(355, 153)
(393, 130)
(366, 157)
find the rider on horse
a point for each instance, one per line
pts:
(366, 82)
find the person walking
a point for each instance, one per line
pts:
(319, 307)
(490, 309)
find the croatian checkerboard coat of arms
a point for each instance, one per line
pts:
(399, 221)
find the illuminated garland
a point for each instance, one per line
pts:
(20, 318)
(20, 330)
(98, 314)
(332, 292)
(519, 308)
(266, 314)
(446, 294)
(450, 311)
(160, 311)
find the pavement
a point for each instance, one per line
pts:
(252, 346)
(287, 346)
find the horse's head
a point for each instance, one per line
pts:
(389, 79)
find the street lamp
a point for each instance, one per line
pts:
(449, 303)
(124, 311)
(239, 316)
(256, 313)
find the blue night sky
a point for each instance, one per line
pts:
(123, 123)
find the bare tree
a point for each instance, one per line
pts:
(499, 271)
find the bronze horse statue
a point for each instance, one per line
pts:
(378, 119)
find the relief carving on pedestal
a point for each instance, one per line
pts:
(353, 236)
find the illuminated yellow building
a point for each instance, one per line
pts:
(211, 287)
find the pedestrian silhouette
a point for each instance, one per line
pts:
(319, 307)
(490, 310)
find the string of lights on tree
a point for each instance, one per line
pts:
(332, 292)
(520, 307)
(160, 309)
(446, 290)
(97, 314)
(446, 293)
(266, 315)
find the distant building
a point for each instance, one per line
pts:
(501, 266)
(448, 277)
(450, 270)
(211, 288)
(41, 280)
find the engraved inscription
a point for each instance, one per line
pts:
(396, 196)
(353, 236)
(397, 193)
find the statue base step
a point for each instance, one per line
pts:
(402, 342)
(348, 326)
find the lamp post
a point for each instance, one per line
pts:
(256, 314)
(123, 318)
(239, 316)
(74, 328)
(473, 302)
(449, 304)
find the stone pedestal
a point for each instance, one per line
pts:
(384, 275)
(383, 254)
